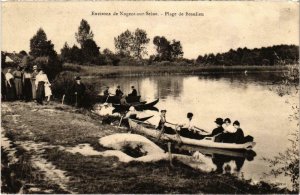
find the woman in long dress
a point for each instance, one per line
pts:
(34, 87)
(40, 81)
(10, 86)
(27, 84)
(18, 75)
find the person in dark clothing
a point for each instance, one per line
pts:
(218, 130)
(119, 93)
(239, 134)
(27, 88)
(106, 92)
(3, 87)
(134, 92)
(78, 91)
(18, 76)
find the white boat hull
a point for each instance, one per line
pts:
(206, 142)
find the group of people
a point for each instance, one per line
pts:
(224, 132)
(25, 84)
(119, 92)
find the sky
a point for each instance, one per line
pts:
(225, 25)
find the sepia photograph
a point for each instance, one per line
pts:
(150, 97)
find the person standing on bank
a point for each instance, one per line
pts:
(27, 84)
(78, 90)
(48, 91)
(18, 76)
(33, 77)
(3, 87)
(134, 92)
(106, 92)
(10, 86)
(40, 81)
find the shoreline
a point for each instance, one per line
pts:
(32, 124)
(153, 70)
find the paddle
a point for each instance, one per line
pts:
(76, 103)
(63, 99)
(194, 127)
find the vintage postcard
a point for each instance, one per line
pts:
(150, 97)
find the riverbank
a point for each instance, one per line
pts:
(169, 69)
(37, 158)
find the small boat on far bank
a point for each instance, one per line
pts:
(206, 142)
(116, 99)
(137, 106)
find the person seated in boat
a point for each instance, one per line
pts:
(188, 129)
(132, 113)
(106, 91)
(133, 92)
(119, 93)
(217, 131)
(161, 124)
(238, 135)
(228, 131)
(123, 101)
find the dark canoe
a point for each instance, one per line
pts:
(116, 99)
(205, 142)
(138, 106)
(125, 121)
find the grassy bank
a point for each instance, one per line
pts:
(40, 132)
(115, 71)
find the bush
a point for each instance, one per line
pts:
(51, 65)
(62, 85)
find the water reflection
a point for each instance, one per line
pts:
(217, 160)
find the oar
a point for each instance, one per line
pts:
(76, 103)
(63, 99)
(194, 126)
(200, 129)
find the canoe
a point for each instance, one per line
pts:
(138, 106)
(206, 142)
(247, 154)
(116, 99)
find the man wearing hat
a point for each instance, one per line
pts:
(33, 77)
(78, 91)
(218, 130)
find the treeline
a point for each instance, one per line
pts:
(131, 47)
(275, 55)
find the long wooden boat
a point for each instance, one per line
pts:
(206, 142)
(247, 154)
(116, 99)
(138, 106)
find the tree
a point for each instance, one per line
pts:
(90, 50)
(23, 53)
(43, 53)
(138, 43)
(107, 52)
(123, 43)
(84, 32)
(76, 54)
(176, 49)
(40, 46)
(65, 52)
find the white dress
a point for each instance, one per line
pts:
(48, 91)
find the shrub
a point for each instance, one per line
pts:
(62, 85)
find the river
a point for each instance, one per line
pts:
(262, 113)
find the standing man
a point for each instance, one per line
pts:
(78, 90)
(106, 92)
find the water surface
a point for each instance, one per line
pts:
(247, 98)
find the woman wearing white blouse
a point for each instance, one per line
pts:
(40, 81)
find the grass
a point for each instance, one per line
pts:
(115, 71)
(60, 125)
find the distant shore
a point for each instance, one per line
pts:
(152, 70)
